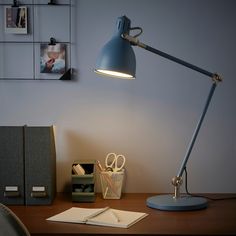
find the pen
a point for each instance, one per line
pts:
(115, 217)
(96, 213)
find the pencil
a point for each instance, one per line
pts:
(99, 165)
(115, 217)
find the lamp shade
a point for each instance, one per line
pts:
(117, 58)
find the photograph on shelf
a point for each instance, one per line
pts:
(52, 58)
(15, 20)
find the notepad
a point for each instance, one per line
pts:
(99, 216)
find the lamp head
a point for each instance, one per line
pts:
(117, 58)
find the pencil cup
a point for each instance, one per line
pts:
(112, 183)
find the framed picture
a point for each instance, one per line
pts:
(15, 20)
(52, 58)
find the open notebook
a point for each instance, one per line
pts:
(99, 216)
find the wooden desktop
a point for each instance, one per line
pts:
(218, 219)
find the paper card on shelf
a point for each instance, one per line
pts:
(78, 169)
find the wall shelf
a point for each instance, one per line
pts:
(21, 53)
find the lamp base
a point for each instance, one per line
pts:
(183, 203)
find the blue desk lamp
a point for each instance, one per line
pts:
(117, 59)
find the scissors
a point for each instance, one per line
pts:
(114, 162)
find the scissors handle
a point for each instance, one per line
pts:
(115, 162)
(110, 161)
(119, 163)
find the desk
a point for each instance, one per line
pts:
(218, 219)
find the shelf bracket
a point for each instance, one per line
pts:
(15, 3)
(53, 41)
(51, 2)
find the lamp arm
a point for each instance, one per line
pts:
(177, 180)
(196, 131)
(134, 41)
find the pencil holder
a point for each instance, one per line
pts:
(83, 181)
(112, 183)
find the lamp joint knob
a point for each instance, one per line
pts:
(217, 78)
(177, 181)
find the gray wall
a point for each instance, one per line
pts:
(151, 119)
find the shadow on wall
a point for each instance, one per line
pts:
(77, 147)
(82, 147)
